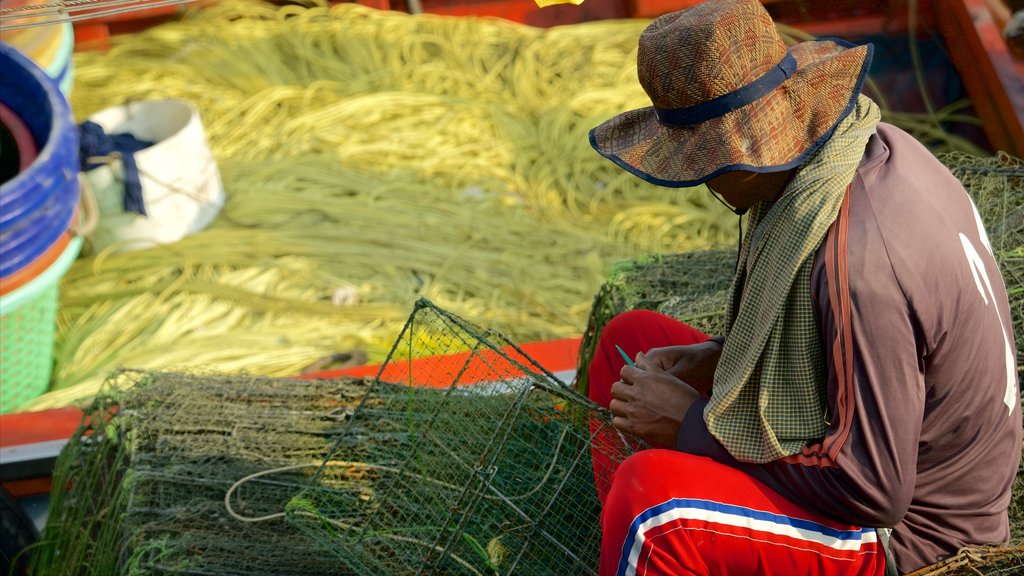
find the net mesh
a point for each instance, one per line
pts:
(480, 465)
(464, 456)
(140, 487)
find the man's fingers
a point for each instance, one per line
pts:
(622, 390)
(622, 424)
(649, 364)
(629, 373)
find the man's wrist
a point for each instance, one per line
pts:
(720, 340)
(693, 432)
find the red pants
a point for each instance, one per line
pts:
(671, 513)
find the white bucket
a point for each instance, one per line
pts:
(181, 186)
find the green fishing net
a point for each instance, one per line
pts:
(140, 487)
(464, 456)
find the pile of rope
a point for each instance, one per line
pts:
(370, 158)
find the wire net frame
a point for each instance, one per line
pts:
(464, 457)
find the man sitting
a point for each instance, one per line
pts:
(866, 384)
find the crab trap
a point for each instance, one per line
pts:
(465, 457)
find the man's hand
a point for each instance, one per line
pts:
(694, 363)
(650, 403)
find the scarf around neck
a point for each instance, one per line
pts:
(769, 395)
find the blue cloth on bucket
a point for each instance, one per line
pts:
(95, 142)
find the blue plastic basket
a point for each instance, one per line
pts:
(37, 204)
(38, 101)
(36, 207)
(24, 244)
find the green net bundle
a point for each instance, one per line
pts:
(464, 457)
(140, 488)
(483, 468)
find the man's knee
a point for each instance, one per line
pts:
(628, 322)
(641, 477)
(634, 469)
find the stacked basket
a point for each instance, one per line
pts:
(39, 200)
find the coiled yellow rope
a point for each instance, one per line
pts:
(370, 158)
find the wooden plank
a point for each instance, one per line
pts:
(993, 77)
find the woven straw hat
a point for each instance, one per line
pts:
(728, 96)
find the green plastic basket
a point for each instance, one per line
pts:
(28, 318)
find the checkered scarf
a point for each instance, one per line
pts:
(769, 396)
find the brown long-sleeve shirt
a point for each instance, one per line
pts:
(924, 429)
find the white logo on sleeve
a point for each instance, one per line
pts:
(985, 289)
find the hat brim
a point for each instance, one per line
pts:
(777, 132)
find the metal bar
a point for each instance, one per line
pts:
(58, 5)
(78, 12)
